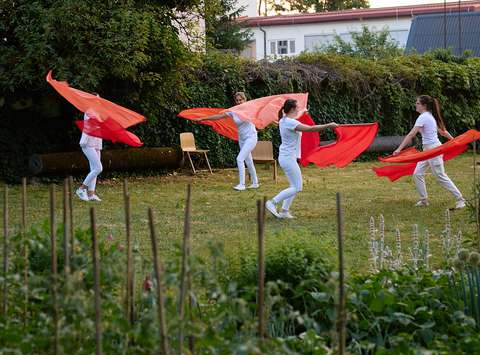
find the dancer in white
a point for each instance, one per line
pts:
(429, 124)
(289, 152)
(247, 139)
(91, 147)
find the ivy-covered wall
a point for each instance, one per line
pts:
(341, 89)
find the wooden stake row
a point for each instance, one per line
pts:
(53, 242)
(4, 307)
(130, 279)
(68, 249)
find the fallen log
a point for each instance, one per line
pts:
(380, 144)
(116, 159)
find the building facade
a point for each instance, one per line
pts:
(289, 35)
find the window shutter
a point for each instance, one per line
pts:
(292, 46)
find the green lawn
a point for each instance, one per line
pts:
(227, 216)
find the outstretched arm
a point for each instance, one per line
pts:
(445, 133)
(408, 138)
(317, 128)
(216, 117)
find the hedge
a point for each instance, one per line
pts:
(341, 89)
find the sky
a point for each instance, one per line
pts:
(390, 3)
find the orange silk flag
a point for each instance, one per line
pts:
(261, 112)
(352, 140)
(99, 107)
(410, 156)
(225, 127)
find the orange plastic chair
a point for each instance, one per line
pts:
(187, 143)
(263, 153)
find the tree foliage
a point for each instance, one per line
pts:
(366, 44)
(319, 5)
(223, 31)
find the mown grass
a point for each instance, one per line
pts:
(221, 214)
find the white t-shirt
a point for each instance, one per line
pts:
(428, 128)
(246, 129)
(291, 139)
(89, 141)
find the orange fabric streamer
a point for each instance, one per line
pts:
(109, 120)
(261, 112)
(410, 156)
(352, 140)
(103, 109)
(225, 127)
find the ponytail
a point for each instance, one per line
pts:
(437, 113)
(288, 106)
(433, 105)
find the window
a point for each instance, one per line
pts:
(282, 47)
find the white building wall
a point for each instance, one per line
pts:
(304, 36)
(251, 7)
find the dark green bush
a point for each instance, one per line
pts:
(344, 89)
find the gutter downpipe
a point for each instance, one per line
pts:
(264, 41)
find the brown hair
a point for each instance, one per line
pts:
(433, 105)
(288, 106)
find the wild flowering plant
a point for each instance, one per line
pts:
(382, 256)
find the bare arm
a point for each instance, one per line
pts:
(317, 128)
(217, 117)
(407, 140)
(445, 133)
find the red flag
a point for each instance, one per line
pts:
(352, 140)
(409, 156)
(310, 140)
(108, 129)
(395, 172)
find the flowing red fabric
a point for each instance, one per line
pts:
(310, 140)
(111, 119)
(225, 127)
(108, 129)
(352, 140)
(395, 172)
(409, 156)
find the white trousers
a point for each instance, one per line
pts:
(245, 157)
(438, 170)
(93, 156)
(294, 175)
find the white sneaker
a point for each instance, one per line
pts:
(285, 215)
(254, 186)
(95, 198)
(82, 194)
(270, 206)
(460, 204)
(422, 203)
(239, 187)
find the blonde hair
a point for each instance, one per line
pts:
(241, 94)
